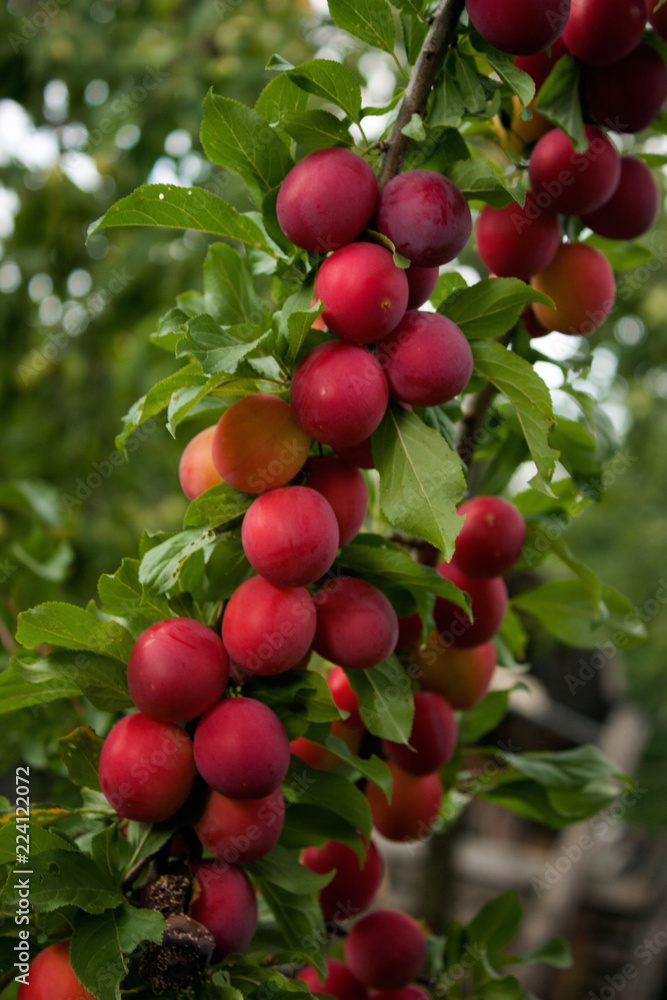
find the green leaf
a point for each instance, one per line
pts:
(332, 81)
(421, 479)
(280, 868)
(123, 595)
(16, 692)
(507, 988)
(217, 350)
(229, 295)
(479, 181)
(623, 256)
(299, 324)
(183, 208)
(63, 877)
(371, 21)
(309, 825)
(410, 7)
(520, 83)
(555, 952)
(227, 566)
(485, 716)
(558, 100)
(385, 699)
(305, 785)
(566, 610)
(73, 628)
(217, 506)
(448, 283)
(80, 753)
(415, 128)
(491, 307)
(238, 138)
(99, 945)
(496, 923)
(316, 129)
(530, 398)
(281, 96)
(372, 768)
(161, 566)
(414, 34)
(41, 841)
(31, 496)
(298, 697)
(299, 917)
(154, 402)
(102, 680)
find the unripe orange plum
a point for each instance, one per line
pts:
(363, 292)
(433, 736)
(488, 599)
(290, 535)
(569, 182)
(600, 32)
(147, 768)
(634, 206)
(413, 809)
(196, 471)
(241, 749)
(353, 887)
(581, 283)
(51, 977)
(386, 949)
(521, 27)
(516, 242)
(178, 668)
(225, 903)
(356, 624)
(239, 831)
(339, 981)
(258, 445)
(461, 676)
(491, 539)
(628, 95)
(326, 199)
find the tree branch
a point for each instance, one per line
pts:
(475, 409)
(439, 38)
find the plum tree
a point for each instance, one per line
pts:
(353, 887)
(258, 444)
(339, 982)
(634, 206)
(427, 359)
(146, 768)
(581, 283)
(356, 625)
(326, 199)
(569, 182)
(491, 538)
(516, 242)
(339, 394)
(421, 284)
(425, 216)
(344, 487)
(488, 600)
(241, 749)
(241, 830)
(225, 903)
(601, 32)
(267, 629)
(385, 949)
(363, 292)
(461, 676)
(433, 736)
(196, 471)
(51, 977)
(178, 668)
(413, 808)
(290, 535)
(628, 95)
(521, 27)
(344, 697)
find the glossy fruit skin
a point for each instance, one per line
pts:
(196, 471)
(461, 676)
(433, 736)
(147, 768)
(634, 206)
(327, 199)
(356, 624)
(322, 758)
(258, 445)
(569, 182)
(488, 601)
(353, 887)
(290, 535)
(386, 949)
(522, 27)
(339, 394)
(178, 668)
(239, 831)
(425, 216)
(539, 66)
(267, 629)
(600, 32)
(516, 242)
(226, 906)
(491, 538)
(51, 977)
(581, 283)
(242, 749)
(427, 359)
(344, 488)
(413, 809)
(359, 455)
(628, 95)
(421, 284)
(344, 697)
(363, 292)
(409, 631)
(339, 981)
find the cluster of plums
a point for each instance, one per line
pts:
(623, 88)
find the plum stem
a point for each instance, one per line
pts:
(440, 36)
